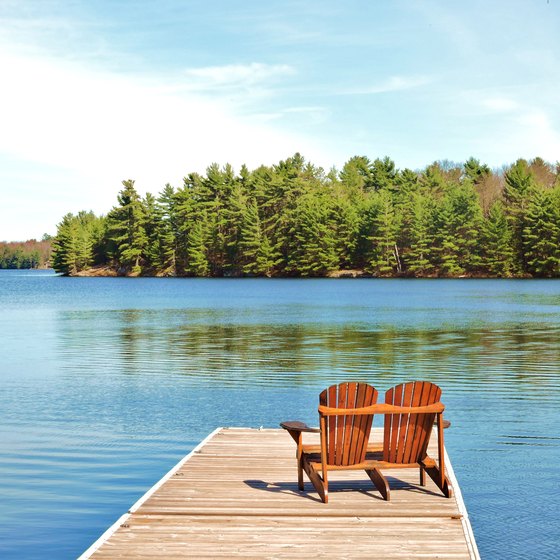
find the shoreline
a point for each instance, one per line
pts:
(110, 271)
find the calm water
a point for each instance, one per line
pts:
(106, 383)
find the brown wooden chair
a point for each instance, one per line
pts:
(344, 436)
(346, 414)
(410, 411)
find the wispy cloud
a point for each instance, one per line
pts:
(394, 83)
(309, 114)
(236, 75)
(511, 123)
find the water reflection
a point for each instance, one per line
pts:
(513, 357)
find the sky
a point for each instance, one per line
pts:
(94, 93)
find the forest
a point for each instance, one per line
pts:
(296, 219)
(25, 254)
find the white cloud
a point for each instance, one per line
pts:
(98, 128)
(235, 75)
(394, 83)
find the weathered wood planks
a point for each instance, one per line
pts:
(237, 496)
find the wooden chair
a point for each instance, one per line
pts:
(346, 414)
(344, 436)
(410, 410)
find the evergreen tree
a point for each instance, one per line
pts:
(356, 173)
(383, 174)
(313, 248)
(65, 246)
(406, 184)
(126, 225)
(168, 230)
(384, 258)
(187, 209)
(75, 242)
(345, 224)
(257, 254)
(519, 186)
(497, 243)
(197, 252)
(542, 233)
(475, 171)
(458, 222)
(419, 258)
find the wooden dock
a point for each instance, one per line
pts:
(236, 495)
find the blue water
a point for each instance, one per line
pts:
(106, 383)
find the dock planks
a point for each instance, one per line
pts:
(236, 496)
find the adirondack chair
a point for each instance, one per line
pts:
(346, 414)
(344, 436)
(410, 410)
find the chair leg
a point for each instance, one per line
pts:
(422, 477)
(434, 474)
(380, 483)
(319, 484)
(300, 474)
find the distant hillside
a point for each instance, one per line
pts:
(25, 254)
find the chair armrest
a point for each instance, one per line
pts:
(446, 424)
(297, 426)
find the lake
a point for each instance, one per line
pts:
(105, 383)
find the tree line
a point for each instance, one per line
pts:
(296, 219)
(25, 254)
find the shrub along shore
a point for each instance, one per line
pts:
(296, 219)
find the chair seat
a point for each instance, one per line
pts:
(311, 449)
(373, 460)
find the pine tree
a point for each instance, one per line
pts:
(345, 223)
(384, 257)
(519, 186)
(168, 230)
(498, 256)
(475, 171)
(542, 233)
(313, 246)
(446, 248)
(65, 246)
(355, 173)
(467, 225)
(126, 226)
(75, 242)
(383, 175)
(257, 254)
(187, 209)
(419, 258)
(197, 252)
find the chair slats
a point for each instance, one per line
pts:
(342, 403)
(407, 435)
(348, 435)
(366, 423)
(406, 399)
(348, 422)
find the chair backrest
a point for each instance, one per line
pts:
(406, 436)
(347, 435)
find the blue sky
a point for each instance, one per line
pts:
(96, 92)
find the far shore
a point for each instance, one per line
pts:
(111, 271)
